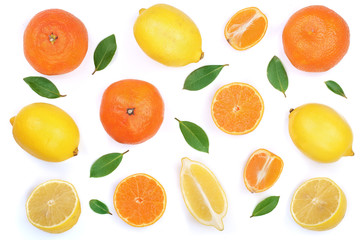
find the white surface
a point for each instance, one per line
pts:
(160, 156)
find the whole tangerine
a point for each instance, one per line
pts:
(131, 111)
(55, 42)
(315, 38)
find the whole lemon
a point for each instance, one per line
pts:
(320, 132)
(168, 35)
(46, 132)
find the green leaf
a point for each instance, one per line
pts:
(335, 88)
(203, 76)
(265, 206)
(277, 75)
(194, 136)
(99, 207)
(106, 164)
(43, 87)
(104, 53)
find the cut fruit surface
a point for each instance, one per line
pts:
(140, 200)
(237, 108)
(246, 28)
(318, 204)
(53, 206)
(203, 194)
(262, 170)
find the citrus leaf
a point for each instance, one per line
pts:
(277, 75)
(104, 53)
(99, 207)
(335, 88)
(265, 206)
(203, 76)
(43, 87)
(194, 135)
(106, 164)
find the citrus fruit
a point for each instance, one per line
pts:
(140, 200)
(53, 206)
(131, 111)
(237, 108)
(203, 195)
(318, 204)
(46, 132)
(168, 35)
(55, 42)
(315, 38)
(246, 28)
(320, 132)
(262, 170)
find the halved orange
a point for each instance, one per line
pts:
(262, 170)
(246, 28)
(237, 108)
(140, 200)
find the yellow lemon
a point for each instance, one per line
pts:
(46, 132)
(168, 35)
(53, 206)
(320, 132)
(318, 204)
(203, 195)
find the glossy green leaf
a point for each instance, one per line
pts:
(265, 206)
(335, 88)
(202, 77)
(43, 87)
(99, 207)
(104, 53)
(106, 164)
(194, 135)
(277, 75)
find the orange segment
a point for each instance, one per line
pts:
(140, 200)
(237, 108)
(246, 28)
(262, 170)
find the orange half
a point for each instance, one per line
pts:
(237, 108)
(246, 28)
(140, 200)
(262, 170)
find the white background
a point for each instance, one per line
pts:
(160, 156)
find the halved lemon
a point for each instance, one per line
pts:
(203, 195)
(318, 204)
(53, 206)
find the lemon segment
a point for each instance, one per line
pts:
(318, 204)
(53, 206)
(203, 194)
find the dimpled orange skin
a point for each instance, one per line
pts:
(131, 111)
(315, 39)
(55, 42)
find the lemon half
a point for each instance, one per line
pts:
(53, 206)
(318, 204)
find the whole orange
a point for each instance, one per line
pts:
(55, 42)
(315, 38)
(131, 111)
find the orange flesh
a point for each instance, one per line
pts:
(246, 28)
(262, 170)
(237, 108)
(139, 200)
